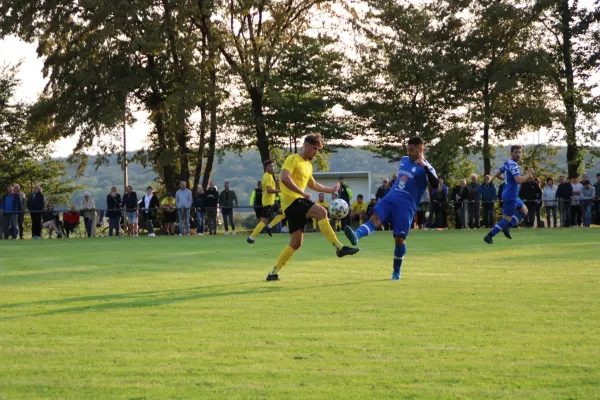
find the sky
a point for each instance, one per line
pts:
(14, 50)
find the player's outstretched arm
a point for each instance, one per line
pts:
(523, 178)
(317, 187)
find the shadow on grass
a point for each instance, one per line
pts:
(146, 299)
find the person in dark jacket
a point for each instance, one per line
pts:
(530, 192)
(11, 207)
(130, 204)
(149, 206)
(113, 211)
(439, 202)
(256, 200)
(383, 189)
(211, 203)
(488, 195)
(36, 205)
(474, 206)
(345, 193)
(228, 201)
(460, 194)
(564, 194)
(198, 206)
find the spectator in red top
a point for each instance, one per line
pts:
(71, 220)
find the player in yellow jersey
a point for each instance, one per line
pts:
(323, 204)
(268, 199)
(296, 174)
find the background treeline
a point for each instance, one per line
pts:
(217, 77)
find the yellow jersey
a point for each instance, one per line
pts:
(167, 202)
(359, 208)
(268, 199)
(301, 174)
(324, 203)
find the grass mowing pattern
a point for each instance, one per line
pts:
(169, 317)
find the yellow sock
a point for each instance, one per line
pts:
(329, 234)
(258, 229)
(338, 223)
(277, 220)
(284, 257)
(314, 224)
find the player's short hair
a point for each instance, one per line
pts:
(360, 196)
(515, 147)
(416, 140)
(315, 139)
(268, 162)
(550, 179)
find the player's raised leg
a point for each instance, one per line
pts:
(274, 223)
(380, 217)
(320, 214)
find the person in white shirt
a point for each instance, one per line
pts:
(149, 209)
(549, 198)
(183, 199)
(575, 206)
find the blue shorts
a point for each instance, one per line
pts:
(398, 214)
(132, 217)
(510, 207)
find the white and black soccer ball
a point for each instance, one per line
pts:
(338, 209)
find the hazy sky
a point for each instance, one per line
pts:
(14, 50)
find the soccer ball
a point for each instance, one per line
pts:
(338, 209)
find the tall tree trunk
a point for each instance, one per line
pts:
(167, 169)
(262, 142)
(200, 157)
(212, 141)
(570, 121)
(487, 112)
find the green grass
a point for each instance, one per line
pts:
(190, 318)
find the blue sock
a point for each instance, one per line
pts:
(399, 253)
(365, 230)
(498, 227)
(516, 218)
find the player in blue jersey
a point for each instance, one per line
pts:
(513, 209)
(400, 204)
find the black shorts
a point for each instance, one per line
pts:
(267, 212)
(258, 211)
(296, 214)
(170, 217)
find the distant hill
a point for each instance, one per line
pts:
(244, 171)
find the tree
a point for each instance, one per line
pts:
(24, 152)
(406, 84)
(573, 58)
(252, 36)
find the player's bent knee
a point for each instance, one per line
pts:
(399, 240)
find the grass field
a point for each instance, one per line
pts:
(191, 318)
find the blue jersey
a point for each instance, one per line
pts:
(510, 169)
(411, 184)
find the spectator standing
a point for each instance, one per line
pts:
(70, 220)
(149, 208)
(184, 199)
(474, 207)
(371, 206)
(169, 207)
(564, 194)
(11, 207)
(597, 202)
(394, 178)
(256, 200)
(198, 206)
(459, 195)
(584, 178)
(488, 194)
(538, 201)
(113, 211)
(587, 198)
(528, 194)
(88, 207)
(439, 202)
(575, 203)
(21, 216)
(359, 209)
(130, 203)
(228, 201)
(211, 202)
(345, 193)
(549, 198)
(500, 189)
(337, 224)
(383, 189)
(36, 205)
(422, 210)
